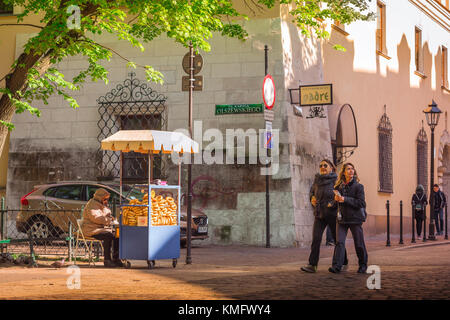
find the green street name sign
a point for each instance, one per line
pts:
(239, 108)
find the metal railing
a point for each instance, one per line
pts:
(45, 232)
(444, 227)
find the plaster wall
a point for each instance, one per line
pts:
(368, 82)
(309, 139)
(62, 143)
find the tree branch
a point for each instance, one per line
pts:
(90, 41)
(21, 25)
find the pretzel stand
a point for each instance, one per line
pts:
(149, 229)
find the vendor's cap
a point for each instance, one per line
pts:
(101, 193)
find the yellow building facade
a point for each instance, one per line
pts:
(391, 71)
(395, 66)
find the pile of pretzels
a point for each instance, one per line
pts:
(164, 211)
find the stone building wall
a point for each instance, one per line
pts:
(62, 144)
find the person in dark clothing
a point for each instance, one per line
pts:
(419, 203)
(321, 196)
(330, 240)
(438, 209)
(349, 194)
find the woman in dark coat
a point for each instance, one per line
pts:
(322, 199)
(419, 203)
(349, 194)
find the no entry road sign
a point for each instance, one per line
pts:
(268, 91)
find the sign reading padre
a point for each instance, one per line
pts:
(316, 95)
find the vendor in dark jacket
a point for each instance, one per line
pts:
(349, 194)
(321, 196)
(419, 203)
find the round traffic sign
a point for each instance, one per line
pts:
(268, 91)
(198, 63)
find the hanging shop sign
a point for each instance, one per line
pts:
(239, 108)
(314, 95)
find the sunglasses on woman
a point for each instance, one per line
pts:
(323, 165)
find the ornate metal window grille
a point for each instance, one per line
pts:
(132, 105)
(385, 176)
(422, 159)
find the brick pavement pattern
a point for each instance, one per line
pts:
(420, 272)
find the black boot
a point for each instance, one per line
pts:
(109, 264)
(362, 269)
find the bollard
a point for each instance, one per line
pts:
(425, 223)
(388, 240)
(70, 241)
(32, 257)
(2, 208)
(401, 222)
(413, 232)
(2, 221)
(446, 223)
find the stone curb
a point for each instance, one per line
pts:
(431, 243)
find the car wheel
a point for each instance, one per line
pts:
(39, 228)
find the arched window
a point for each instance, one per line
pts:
(422, 160)
(385, 178)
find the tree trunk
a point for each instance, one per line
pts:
(16, 81)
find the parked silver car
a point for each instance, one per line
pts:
(46, 209)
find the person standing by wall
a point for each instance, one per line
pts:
(419, 203)
(349, 194)
(322, 199)
(438, 211)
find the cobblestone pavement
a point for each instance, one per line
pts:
(420, 271)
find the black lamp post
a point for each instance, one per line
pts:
(432, 114)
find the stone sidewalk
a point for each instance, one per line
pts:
(419, 271)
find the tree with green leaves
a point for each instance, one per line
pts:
(67, 27)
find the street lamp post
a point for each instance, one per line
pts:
(189, 198)
(432, 114)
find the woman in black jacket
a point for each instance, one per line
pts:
(419, 203)
(322, 199)
(349, 194)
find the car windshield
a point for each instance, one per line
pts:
(130, 191)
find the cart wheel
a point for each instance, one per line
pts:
(127, 265)
(174, 263)
(151, 264)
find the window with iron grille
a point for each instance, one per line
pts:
(385, 177)
(5, 8)
(381, 28)
(132, 105)
(422, 160)
(418, 50)
(444, 67)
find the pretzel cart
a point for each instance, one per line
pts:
(149, 229)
